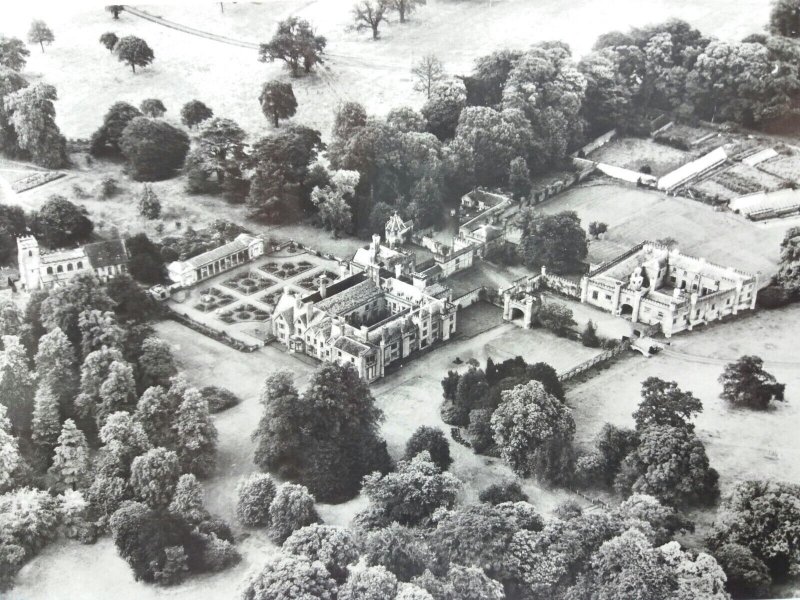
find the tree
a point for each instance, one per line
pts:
(39, 33)
(296, 44)
(152, 107)
(332, 200)
(554, 241)
(9, 450)
(254, 496)
(134, 51)
(145, 264)
(277, 101)
(746, 383)
(115, 9)
(123, 439)
(443, 109)
(154, 476)
(291, 509)
(196, 435)
(327, 438)
(555, 317)
(507, 491)
(349, 117)
(17, 384)
(784, 19)
(187, 502)
(408, 496)
(195, 112)
(534, 431)
(545, 84)
(664, 403)
(763, 517)
(219, 154)
(596, 229)
(56, 367)
(670, 463)
(399, 549)
(788, 276)
(13, 222)
(31, 113)
(429, 71)
(406, 120)
(433, 441)
(98, 329)
(156, 363)
(13, 53)
(747, 576)
(519, 178)
(334, 547)
(589, 335)
(70, 468)
(371, 583)
(154, 149)
(46, 425)
(63, 223)
(369, 14)
(109, 39)
(149, 204)
(287, 577)
(117, 392)
(106, 139)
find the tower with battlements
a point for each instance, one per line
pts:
(29, 259)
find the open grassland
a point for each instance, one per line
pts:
(228, 78)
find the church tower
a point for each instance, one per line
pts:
(29, 261)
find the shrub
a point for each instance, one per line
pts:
(479, 431)
(108, 188)
(507, 491)
(292, 508)
(432, 440)
(219, 398)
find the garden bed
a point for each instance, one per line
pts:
(312, 282)
(286, 269)
(248, 283)
(212, 298)
(243, 313)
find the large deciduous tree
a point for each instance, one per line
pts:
(109, 39)
(154, 149)
(215, 162)
(334, 547)
(784, 19)
(296, 44)
(664, 403)
(31, 113)
(196, 435)
(669, 463)
(277, 101)
(534, 431)
(788, 276)
(134, 51)
(443, 109)
(61, 223)
(557, 242)
(746, 383)
(40, 33)
(289, 577)
(13, 53)
(106, 139)
(332, 201)
(154, 476)
(195, 112)
(153, 108)
(9, 450)
(17, 384)
(369, 14)
(254, 496)
(291, 509)
(433, 441)
(408, 496)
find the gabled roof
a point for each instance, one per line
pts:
(350, 346)
(349, 299)
(242, 242)
(106, 254)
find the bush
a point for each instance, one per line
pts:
(219, 398)
(432, 440)
(153, 148)
(108, 188)
(497, 493)
(479, 431)
(291, 509)
(255, 494)
(774, 296)
(589, 336)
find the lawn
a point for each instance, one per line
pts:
(741, 443)
(635, 153)
(634, 215)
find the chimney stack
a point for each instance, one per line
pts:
(323, 286)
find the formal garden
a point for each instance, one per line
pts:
(248, 283)
(211, 299)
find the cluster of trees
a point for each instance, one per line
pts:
(81, 369)
(414, 542)
(153, 148)
(326, 438)
(662, 456)
(785, 285)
